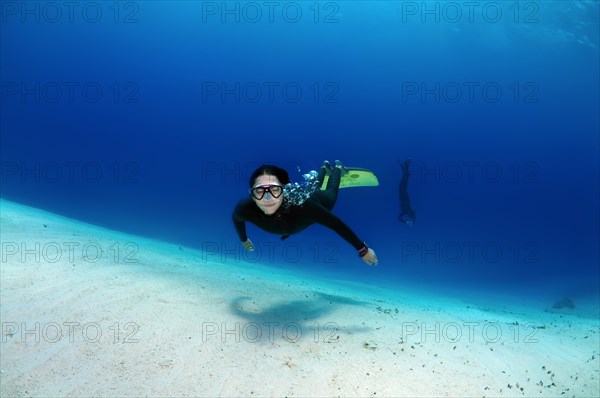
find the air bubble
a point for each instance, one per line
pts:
(296, 194)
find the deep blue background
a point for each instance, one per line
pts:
(175, 157)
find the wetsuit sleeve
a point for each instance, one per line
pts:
(320, 215)
(239, 217)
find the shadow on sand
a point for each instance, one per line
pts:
(295, 319)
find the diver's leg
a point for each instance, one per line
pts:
(328, 197)
(405, 174)
(406, 209)
(404, 183)
(335, 178)
(321, 175)
(325, 170)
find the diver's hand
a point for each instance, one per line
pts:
(370, 258)
(248, 245)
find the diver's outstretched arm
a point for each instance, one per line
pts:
(370, 258)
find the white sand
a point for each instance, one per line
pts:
(173, 325)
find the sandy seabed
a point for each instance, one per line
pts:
(87, 311)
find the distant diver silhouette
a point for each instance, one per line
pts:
(407, 213)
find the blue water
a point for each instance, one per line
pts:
(148, 117)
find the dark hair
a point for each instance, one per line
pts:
(270, 169)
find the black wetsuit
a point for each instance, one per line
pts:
(405, 208)
(288, 220)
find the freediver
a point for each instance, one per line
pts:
(407, 213)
